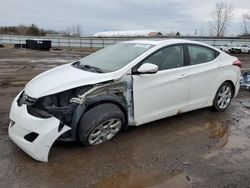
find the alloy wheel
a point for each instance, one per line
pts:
(105, 131)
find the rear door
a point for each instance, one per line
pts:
(206, 74)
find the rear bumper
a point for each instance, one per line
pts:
(233, 50)
(237, 84)
(46, 131)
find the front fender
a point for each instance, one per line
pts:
(93, 101)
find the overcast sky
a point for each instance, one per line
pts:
(105, 15)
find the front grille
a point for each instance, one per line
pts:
(25, 99)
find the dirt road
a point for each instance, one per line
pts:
(196, 149)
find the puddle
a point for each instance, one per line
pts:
(234, 139)
(174, 178)
(219, 130)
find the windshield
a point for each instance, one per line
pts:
(114, 57)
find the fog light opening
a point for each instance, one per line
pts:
(31, 136)
(12, 123)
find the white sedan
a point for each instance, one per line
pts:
(127, 84)
(245, 48)
(227, 47)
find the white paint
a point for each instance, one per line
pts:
(62, 78)
(25, 124)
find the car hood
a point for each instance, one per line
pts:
(63, 78)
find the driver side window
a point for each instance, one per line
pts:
(167, 58)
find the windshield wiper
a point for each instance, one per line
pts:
(88, 67)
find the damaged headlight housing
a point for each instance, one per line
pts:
(25, 99)
(57, 105)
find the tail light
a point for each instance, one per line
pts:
(237, 63)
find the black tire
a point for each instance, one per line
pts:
(217, 107)
(95, 117)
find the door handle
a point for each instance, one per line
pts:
(183, 76)
(220, 66)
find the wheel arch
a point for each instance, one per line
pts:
(227, 80)
(232, 84)
(112, 98)
(95, 101)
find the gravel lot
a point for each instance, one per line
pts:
(196, 149)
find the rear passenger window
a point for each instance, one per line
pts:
(200, 54)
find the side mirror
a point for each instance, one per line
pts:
(148, 68)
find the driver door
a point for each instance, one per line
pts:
(165, 92)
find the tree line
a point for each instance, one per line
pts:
(32, 30)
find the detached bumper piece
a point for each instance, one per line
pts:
(33, 135)
(245, 81)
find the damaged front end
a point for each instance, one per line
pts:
(35, 135)
(37, 123)
(58, 105)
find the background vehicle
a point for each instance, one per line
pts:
(245, 80)
(91, 100)
(245, 48)
(236, 49)
(227, 47)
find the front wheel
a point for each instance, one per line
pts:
(100, 124)
(223, 97)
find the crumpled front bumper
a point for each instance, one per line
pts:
(22, 124)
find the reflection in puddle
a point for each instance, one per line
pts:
(174, 178)
(219, 130)
(234, 141)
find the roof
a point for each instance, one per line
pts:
(168, 42)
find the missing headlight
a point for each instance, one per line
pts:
(25, 99)
(57, 105)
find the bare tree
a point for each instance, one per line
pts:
(221, 17)
(201, 31)
(68, 31)
(76, 30)
(245, 19)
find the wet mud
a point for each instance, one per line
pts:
(201, 148)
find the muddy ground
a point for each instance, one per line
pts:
(196, 149)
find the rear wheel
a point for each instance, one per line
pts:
(223, 97)
(100, 124)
